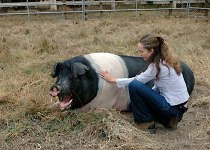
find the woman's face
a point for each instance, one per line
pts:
(145, 53)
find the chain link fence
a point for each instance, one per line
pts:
(85, 8)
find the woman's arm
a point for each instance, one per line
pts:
(121, 82)
(148, 75)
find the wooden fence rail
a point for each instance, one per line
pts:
(54, 4)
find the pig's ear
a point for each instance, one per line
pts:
(78, 69)
(55, 69)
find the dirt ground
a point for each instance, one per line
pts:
(30, 46)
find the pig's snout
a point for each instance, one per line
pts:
(54, 90)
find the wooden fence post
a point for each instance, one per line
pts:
(171, 6)
(206, 6)
(54, 5)
(64, 8)
(101, 7)
(113, 5)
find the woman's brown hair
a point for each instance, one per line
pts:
(161, 53)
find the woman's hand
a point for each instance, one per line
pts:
(106, 76)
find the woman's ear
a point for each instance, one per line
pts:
(152, 51)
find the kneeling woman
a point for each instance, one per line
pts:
(166, 101)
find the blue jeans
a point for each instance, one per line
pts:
(148, 105)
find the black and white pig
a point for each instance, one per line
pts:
(79, 86)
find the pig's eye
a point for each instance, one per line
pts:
(57, 78)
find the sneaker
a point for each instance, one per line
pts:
(173, 123)
(144, 125)
(150, 126)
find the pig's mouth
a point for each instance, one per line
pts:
(65, 101)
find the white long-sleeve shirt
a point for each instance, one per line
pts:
(170, 85)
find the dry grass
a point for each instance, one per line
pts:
(29, 48)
